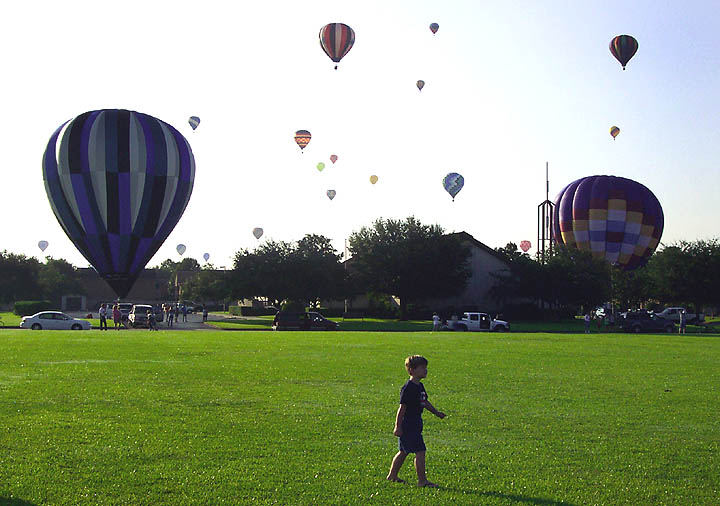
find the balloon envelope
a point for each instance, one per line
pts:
(333, 158)
(336, 39)
(181, 249)
(302, 137)
(453, 183)
(623, 47)
(434, 28)
(373, 179)
(118, 182)
(614, 218)
(320, 166)
(614, 131)
(42, 245)
(206, 256)
(194, 122)
(420, 84)
(257, 232)
(331, 194)
(525, 246)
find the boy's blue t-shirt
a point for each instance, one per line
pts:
(413, 396)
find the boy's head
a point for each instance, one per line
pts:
(414, 361)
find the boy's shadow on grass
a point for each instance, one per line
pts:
(7, 501)
(513, 497)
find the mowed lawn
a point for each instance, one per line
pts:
(216, 417)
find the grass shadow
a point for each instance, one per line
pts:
(13, 501)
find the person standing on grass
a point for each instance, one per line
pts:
(436, 322)
(184, 310)
(117, 316)
(170, 316)
(587, 323)
(103, 317)
(408, 421)
(683, 322)
(205, 313)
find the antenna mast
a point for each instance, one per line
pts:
(545, 223)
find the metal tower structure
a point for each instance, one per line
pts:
(545, 223)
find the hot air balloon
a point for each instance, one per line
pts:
(320, 166)
(373, 179)
(206, 256)
(181, 249)
(420, 84)
(453, 183)
(331, 194)
(434, 28)
(257, 232)
(614, 218)
(614, 131)
(43, 245)
(302, 137)
(623, 47)
(118, 182)
(194, 122)
(336, 39)
(525, 246)
(333, 158)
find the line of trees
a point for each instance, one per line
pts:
(684, 273)
(25, 278)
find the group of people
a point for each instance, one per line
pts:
(174, 312)
(105, 311)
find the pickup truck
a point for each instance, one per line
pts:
(481, 322)
(673, 314)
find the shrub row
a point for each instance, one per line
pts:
(30, 307)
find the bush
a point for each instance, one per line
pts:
(235, 310)
(30, 307)
(257, 311)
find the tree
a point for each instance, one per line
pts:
(58, 278)
(319, 274)
(575, 279)
(19, 278)
(209, 285)
(409, 260)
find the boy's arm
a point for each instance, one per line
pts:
(432, 410)
(399, 420)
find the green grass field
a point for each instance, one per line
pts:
(214, 417)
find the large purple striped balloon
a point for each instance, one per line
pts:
(614, 218)
(118, 182)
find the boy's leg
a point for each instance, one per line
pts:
(420, 469)
(397, 463)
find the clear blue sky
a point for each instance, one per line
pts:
(509, 86)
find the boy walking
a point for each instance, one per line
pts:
(408, 422)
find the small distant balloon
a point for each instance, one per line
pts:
(42, 245)
(320, 166)
(614, 131)
(623, 47)
(525, 246)
(257, 232)
(206, 256)
(420, 84)
(181, 249)
(333, 158)
(453, 183)
(194, 122)
(336, 39)
(331, 194)
(373, 179)
(302, 137)
(434, 28)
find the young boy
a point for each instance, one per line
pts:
(408, 422)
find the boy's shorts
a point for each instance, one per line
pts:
(411, 442)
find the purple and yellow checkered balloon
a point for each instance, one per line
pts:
(616, 219)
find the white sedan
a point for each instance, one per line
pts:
(53, 320)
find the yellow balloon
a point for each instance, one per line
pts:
(373, 179)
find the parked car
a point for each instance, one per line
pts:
(673, 314)
(53, 320)
(138, 315)
(292, 320)
(481, 322)
(642, 321)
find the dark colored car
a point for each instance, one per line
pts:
(642, 321)
(292, 320)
